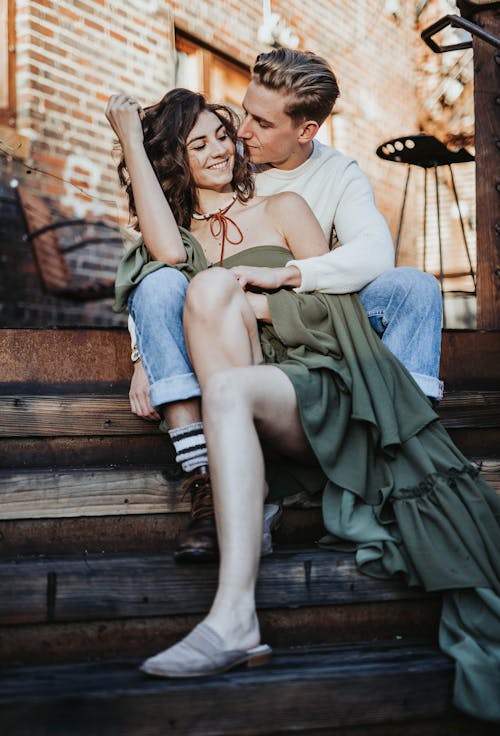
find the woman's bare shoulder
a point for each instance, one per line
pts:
(287, 206)
(286, 199)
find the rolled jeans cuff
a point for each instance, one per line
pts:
(430, 385)
(176, 388)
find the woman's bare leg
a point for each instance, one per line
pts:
(240, 401)
(235, 403)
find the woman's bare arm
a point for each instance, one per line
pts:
(158, 226)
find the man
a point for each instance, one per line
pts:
(290, 95)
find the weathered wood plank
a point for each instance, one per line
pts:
(319, 687)
(122, 586)
(478, 409)
(473, 441)
(486, 86)
(470, 359)
(92, 534)
(65, 355)
(31, 416)
(47, 494)
(102, 356)
(157, 451)
(44, 494)
(132, 533)
(122, 450)
(43, 643)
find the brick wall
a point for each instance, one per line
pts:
(72, 55)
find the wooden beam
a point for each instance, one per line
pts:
(138, 637)
(487, 137)
(98, 361)
(470, 359)
(69, 493)
(45, 494)
(329, 688)
(65, 356)
(478, 409)
(90, 587)
(87, 452)
(69, 416)
(87, 416)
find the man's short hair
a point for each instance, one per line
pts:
(306, 79)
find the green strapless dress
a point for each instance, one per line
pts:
(395, 486)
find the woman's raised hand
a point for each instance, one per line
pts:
(124, 114)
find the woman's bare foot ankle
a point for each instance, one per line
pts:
(237, 631)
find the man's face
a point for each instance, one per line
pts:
(269, 133)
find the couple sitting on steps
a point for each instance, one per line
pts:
(241, 291)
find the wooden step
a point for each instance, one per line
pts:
(103, 605)
(118, 533)
(305, 689)
(92, 415)
(61, 428)
(111, 586)
(74, 510)
(62, 493)
(469, 358)
(395, 620)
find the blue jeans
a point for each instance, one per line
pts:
(156, 306)
(403, 305)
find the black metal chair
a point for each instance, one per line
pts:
(49, 253)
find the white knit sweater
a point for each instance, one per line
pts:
(340, 195)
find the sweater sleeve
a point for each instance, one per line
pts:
(365, 244)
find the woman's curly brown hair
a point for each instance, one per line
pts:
(166, 127)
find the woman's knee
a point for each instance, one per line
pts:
(209, 292)
(223, 391)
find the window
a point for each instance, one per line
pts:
(203, 70)
(7, 63)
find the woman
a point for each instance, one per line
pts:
(331, 403)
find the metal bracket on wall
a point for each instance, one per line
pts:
(455, 21)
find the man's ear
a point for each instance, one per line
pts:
(307, 131)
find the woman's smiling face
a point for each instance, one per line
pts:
(210, 153)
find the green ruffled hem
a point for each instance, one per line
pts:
(428, 484)
(441, 534)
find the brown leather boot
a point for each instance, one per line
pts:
(198, 541)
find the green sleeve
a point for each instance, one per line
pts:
(138, 263)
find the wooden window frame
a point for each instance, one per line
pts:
(8, 63)
(206, 55)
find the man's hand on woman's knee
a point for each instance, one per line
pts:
(140, 403)
(267, 278)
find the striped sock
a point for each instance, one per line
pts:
(190, 446)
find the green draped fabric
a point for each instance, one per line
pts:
(395, 486)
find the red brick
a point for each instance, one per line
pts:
(40, 28)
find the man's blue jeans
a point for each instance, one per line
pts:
(403, 305)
